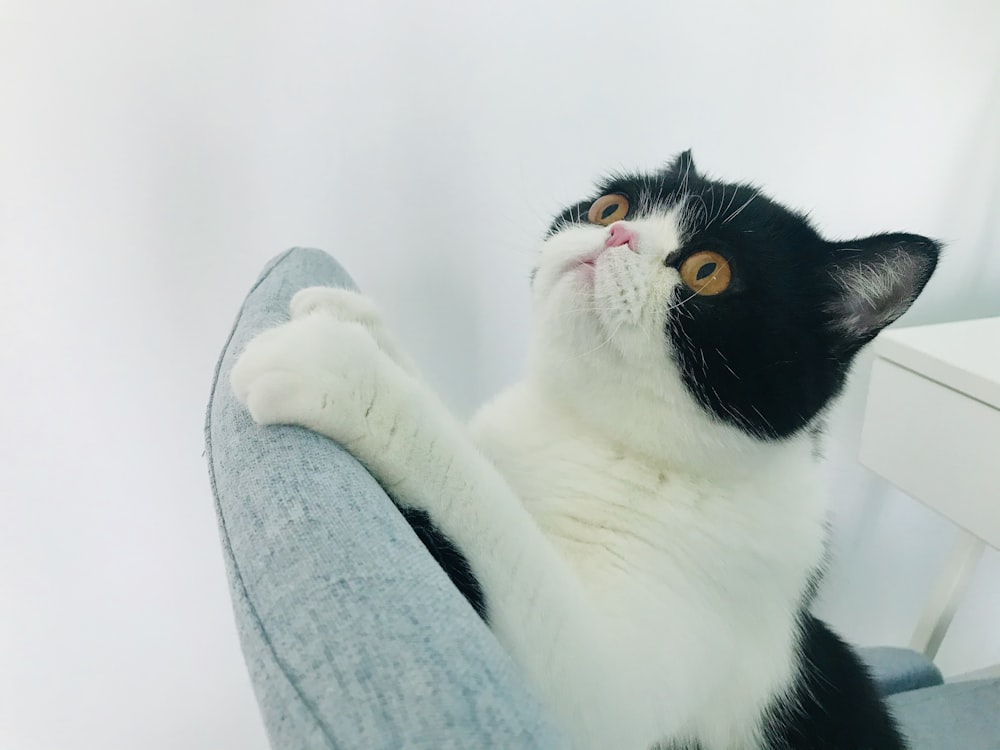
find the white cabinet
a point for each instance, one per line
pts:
(932, 428)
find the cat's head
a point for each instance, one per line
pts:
(703, 309)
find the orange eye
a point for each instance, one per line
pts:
(608, 209)
(706, 273)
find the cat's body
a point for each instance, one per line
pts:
(639, 519)
(678, 634)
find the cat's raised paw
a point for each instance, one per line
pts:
(317, 372)
(349, 306)
(343, 304)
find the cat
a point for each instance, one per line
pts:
(639, 519)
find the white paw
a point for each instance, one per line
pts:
(343, 304)
(349, 306)
(316, 371)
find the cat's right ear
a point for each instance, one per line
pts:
(875, 280)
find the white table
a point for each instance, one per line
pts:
(932, 428)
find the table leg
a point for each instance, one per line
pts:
(947, 593)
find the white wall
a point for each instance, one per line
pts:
(154, 155)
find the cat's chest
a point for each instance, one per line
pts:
(695, 581)
(627, 525)
(640, 533)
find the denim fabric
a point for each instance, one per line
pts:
(354, 638)
(897, 670)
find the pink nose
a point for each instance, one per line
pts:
(620, 235)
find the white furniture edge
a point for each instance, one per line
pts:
(971, 349)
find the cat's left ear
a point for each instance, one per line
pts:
(874, 281)
(683, 165)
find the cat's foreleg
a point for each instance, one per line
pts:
(332, 376)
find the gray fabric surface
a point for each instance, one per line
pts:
(954, 716)
(897, 670)
(353, 637)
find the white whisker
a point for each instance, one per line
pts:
(735, 193)
(736, 213)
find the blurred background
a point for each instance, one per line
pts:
(154, 155)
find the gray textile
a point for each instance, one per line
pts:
(897, 670)
(353, 636)
(955, 716)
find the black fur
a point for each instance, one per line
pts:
(834, 704)
(448, 557)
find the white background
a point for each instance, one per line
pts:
(154, 155)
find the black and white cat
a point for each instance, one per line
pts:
(639, 519)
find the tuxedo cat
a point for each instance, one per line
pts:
(639, 520)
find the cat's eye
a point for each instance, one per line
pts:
(706, 273)
(608, 209)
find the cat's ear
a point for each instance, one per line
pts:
(683, 165)
(874, 281)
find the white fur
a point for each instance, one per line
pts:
(643, 562)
